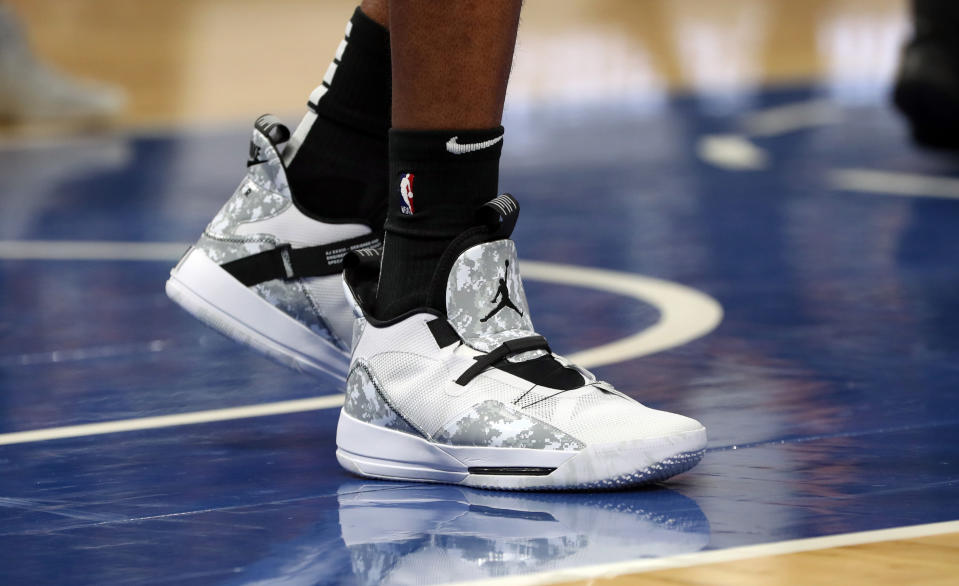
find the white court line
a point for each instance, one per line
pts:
(262, 410)
(55, 137)
(611, 570)
(733, 152)
(790, 117)
(736, 152)
(685, 314)
(890, 183)
(81, 354)
(89, 250)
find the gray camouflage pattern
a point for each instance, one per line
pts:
(288, 296)
(249, 203)
(359, 325)
(291, 298)
(493, 424)
(270, 175)
(364, 402)
(475, 291)
(262, 194)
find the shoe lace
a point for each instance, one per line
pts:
(500, 353)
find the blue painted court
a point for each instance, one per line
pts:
(830, 388)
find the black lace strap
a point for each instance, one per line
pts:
(502, 352)
(285, 262)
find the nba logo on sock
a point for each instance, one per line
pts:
(406, 193)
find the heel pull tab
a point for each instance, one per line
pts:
(361, 271)
(500, 215)
(273, 129)
(270, 127)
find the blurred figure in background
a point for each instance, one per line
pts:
(927, 87)
(31, 90)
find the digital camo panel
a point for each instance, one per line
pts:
(359, 325)
(494, 425)
(485, 301)
(291, 298)
(262, 194)
(269, 172)
(364, 402)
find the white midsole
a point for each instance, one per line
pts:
(203, 288)
(371, 450)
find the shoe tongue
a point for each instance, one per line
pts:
(265, 164)
(485, 301)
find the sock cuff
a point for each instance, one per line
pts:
(367, 34)
(356, 89)
(435, 146)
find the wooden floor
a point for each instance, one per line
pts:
(924, 560)
(212, 62)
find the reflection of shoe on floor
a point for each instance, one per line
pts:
(31, 90)
(451, 398)
(268, 275)
(426, 534)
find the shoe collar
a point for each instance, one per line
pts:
(265, 163)
(476, 264)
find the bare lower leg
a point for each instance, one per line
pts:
(450, 64)
(451, 61)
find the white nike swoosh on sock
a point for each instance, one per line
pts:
(461, 149)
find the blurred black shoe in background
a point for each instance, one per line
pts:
(927, 84)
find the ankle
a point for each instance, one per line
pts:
(337, 161)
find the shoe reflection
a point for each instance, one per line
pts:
(403, 534)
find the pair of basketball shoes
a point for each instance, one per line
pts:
(470, 395)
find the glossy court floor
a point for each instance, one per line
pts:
(774, 259)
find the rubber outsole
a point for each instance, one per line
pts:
(376, 452)
(209, 293)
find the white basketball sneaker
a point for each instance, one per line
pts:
(267, 274)
(475, 397)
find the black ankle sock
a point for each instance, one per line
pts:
(449, 174)
(339, 170)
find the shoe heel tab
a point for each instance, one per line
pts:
(273, 129)
(361, 273)
(499, 215)
(269, 134)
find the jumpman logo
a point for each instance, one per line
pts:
(502, 294)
